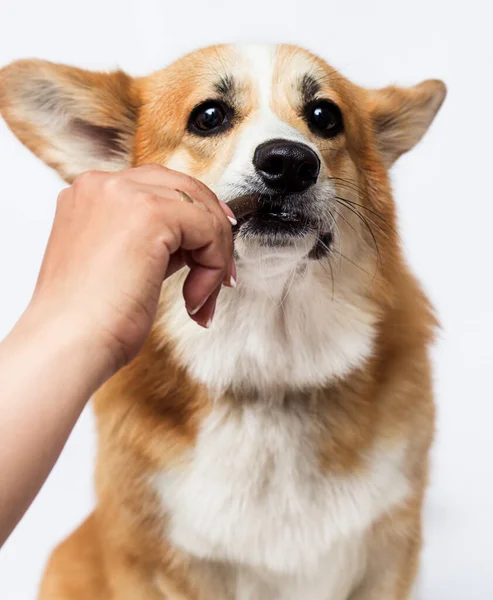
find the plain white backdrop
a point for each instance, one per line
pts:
(443, 191)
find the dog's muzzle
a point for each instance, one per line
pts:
(282, 203)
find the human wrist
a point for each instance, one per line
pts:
(86, 360)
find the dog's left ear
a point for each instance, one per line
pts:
(74, 120)
(401, 116)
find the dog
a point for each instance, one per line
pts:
(281, 454)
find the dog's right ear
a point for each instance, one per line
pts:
(74, 120)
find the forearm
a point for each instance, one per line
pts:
(48, 371)
(115, 238)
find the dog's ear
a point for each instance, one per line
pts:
(401, 116)
(74, 120)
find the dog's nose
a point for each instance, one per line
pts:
(287, 166)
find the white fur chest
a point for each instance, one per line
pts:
(252, 494)
(283, 327)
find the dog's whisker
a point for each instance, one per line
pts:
(361, 192)
(324, 245)
(369, 229)
(290, 285)
(343, 256)
(353, 205)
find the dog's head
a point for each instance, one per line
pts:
(276, 122)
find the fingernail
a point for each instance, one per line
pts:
(228, 212)
(230, 283)
(194, 311)
(209, 323)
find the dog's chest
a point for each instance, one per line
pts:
(252, 493)
(301, 337)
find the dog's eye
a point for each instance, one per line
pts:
(208, 117)
(324, 117)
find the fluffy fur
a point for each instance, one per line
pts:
(282, 454)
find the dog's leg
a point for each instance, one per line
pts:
(75, 569)
(129, 578)
(131, 582)
(393, 556)
(179, 578)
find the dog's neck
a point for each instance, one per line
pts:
(285, 327)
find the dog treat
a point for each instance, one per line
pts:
(243, 205)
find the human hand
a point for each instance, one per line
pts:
(116, 237)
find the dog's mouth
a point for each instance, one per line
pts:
(281, 222)
(270, 215)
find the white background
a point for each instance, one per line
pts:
(443, 190)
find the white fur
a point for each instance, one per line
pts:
(255, 65)
(252, 493)
(283, 326)
(71, 153)
(77, 156)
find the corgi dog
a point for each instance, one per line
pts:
(281, 454)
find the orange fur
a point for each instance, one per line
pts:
(149, 414)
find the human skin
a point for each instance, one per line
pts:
(115, 238)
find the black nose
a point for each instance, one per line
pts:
(287, 166)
